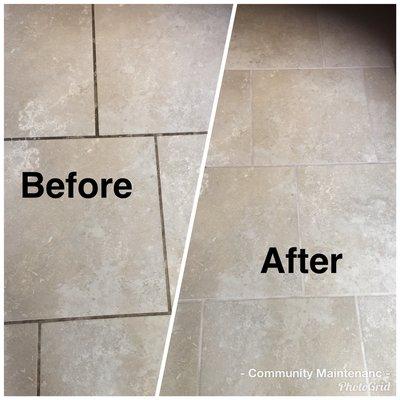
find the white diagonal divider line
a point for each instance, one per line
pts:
(196, 200)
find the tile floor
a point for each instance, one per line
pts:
(302, 154)
(88, 282)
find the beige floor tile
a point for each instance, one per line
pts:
(180, 159)
(241, 213)
(102, 357)
(270, 36)
(157, 70)
(20, 359)
(181, 370)
(48, 70)
(278, 334)
(302, 116)
(350, 210)
(381, 94)
(231, 137)
(354, 37)
(77, 257)
(378, 323)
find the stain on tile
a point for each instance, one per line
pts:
(350, 209)
(278, 335)
(180, 159)
(158, 72)
(48, 70)
(231, 139)
(114, 357)
(72, 257)
(356, 36)
(241, 213)
(381, 93)
(302, 116)
(275, 36)
(378, 324)
(182, 367)
(20, 359)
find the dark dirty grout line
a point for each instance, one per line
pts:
(96, 98)
(128, 135)
(88, 318)
(38, 363)
(164, 242)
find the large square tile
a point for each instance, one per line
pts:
(278, 335)
(350, 209)
(114, 357)
(310, 116)
(378, 324)
(357, 35)
(275, 36)
(182, 368)
(48, 70)
(241, 213)
(158, 66)
(180, 159)
(231, 139)
(71, 257)
(381, 93)
(20, 359)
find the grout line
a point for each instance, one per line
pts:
(307, 296)
(127, 135)
(321, 40)
(195, 201)
(88, 318)
(362, 342)
(38, 360)
(96, 98)
(327, 164)
(251, 119)
(164, 241)
(311, 68)
(200, 349)
(296, 173)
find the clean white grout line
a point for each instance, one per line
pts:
(362, 341)
(251, 119)
(311, 68)
(195, 202)
(296, 177)
(299, 296)
(200, 349)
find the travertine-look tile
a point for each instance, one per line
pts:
(241, 213)
(102, 357)
(353, 36)
(48, 70)
(180, 159)
(75, 257)
(181, 371)
(350, 209)
(275, 36)
(276, 335)
(378, 324)
(381, 95)
(231, 137)
(310, 116)
(158, 66)
(20, 359)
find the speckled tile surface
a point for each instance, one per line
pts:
(102, 357)
(158, 73)
(278, 334)
(48, 70)
(275, 37)
(180, 159)
(182, 369)
(20, 359)
(83, 257)
(350, 209)
(241, 212)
